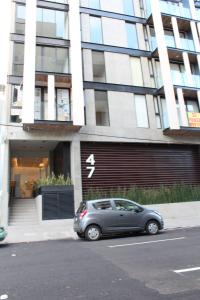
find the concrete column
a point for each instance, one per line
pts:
(183, 113)
(176, 32)
(29, 63)
(6, 14)
(165, 66)
(195, 36)
(77, 98)
(187, 68)
(90, 107)
(76, 170)
(51, 98)
(192, 9)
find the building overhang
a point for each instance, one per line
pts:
(188, 92)
(183, 131)
(48, 126)
(176, 54)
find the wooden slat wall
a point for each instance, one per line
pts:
(123, 165)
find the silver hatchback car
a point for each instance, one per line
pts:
(95, 218)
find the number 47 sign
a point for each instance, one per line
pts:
(90, 160)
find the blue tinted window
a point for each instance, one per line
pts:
(128, 7)
(95, 30)
(132, 36)
(94, 4)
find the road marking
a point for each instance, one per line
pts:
(150, 242)
(187, 270)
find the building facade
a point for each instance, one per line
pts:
(106, 91)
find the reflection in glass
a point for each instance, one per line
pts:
(20, 19)
(128, 7)
(132, 38)
(18, 59)
(94, 4)
(52, 59)
(52, 23)
(95, 30)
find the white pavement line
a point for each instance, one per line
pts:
(150, 242)
(187, 270)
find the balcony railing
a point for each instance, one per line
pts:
(181, 79)
(186, 44)
(175, 10)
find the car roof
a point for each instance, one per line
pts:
(109, 199)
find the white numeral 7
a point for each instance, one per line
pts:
(92, 169)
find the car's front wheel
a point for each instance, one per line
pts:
(93, 233)
(152, 227)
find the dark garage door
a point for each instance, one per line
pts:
(111, 165)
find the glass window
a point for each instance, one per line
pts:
(95, 30)
(128, 7)
(52, 59)
(41, 104)
(52, 23)
(63, 105)
(132, 39)
(98, 64)
(141, 111)
(104, 205)
(20, 19)
(192, 106)
(94, 4)
(18, 59)
(101, 106)
(157, 112)
(125, 205)
(136, 71)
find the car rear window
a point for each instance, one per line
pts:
(102, 205)
(82, 207)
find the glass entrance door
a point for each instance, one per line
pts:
(24, 173)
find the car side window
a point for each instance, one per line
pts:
(125, 205)
(103, 205)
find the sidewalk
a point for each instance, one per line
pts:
(176, 215)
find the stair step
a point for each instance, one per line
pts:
(23, 212)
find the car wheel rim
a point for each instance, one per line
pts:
(93, 233)
(153, 228)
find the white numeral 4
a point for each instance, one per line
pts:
(90, 160)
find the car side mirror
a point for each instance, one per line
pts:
(138, 210)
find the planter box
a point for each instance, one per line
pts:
(57, 202)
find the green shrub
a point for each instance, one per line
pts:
(53, 180)
(153, 195)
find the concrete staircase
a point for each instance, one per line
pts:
(23, 212)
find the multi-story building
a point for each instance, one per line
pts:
(107, 91)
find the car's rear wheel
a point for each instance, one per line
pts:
(93, 233)
(152, 227)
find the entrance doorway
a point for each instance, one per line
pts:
(25, 171)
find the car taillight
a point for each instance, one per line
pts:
(83, 214)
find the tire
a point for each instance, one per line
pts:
(93, 233)
(80, 235)
(152, 227)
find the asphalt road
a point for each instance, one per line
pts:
(139, 267)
